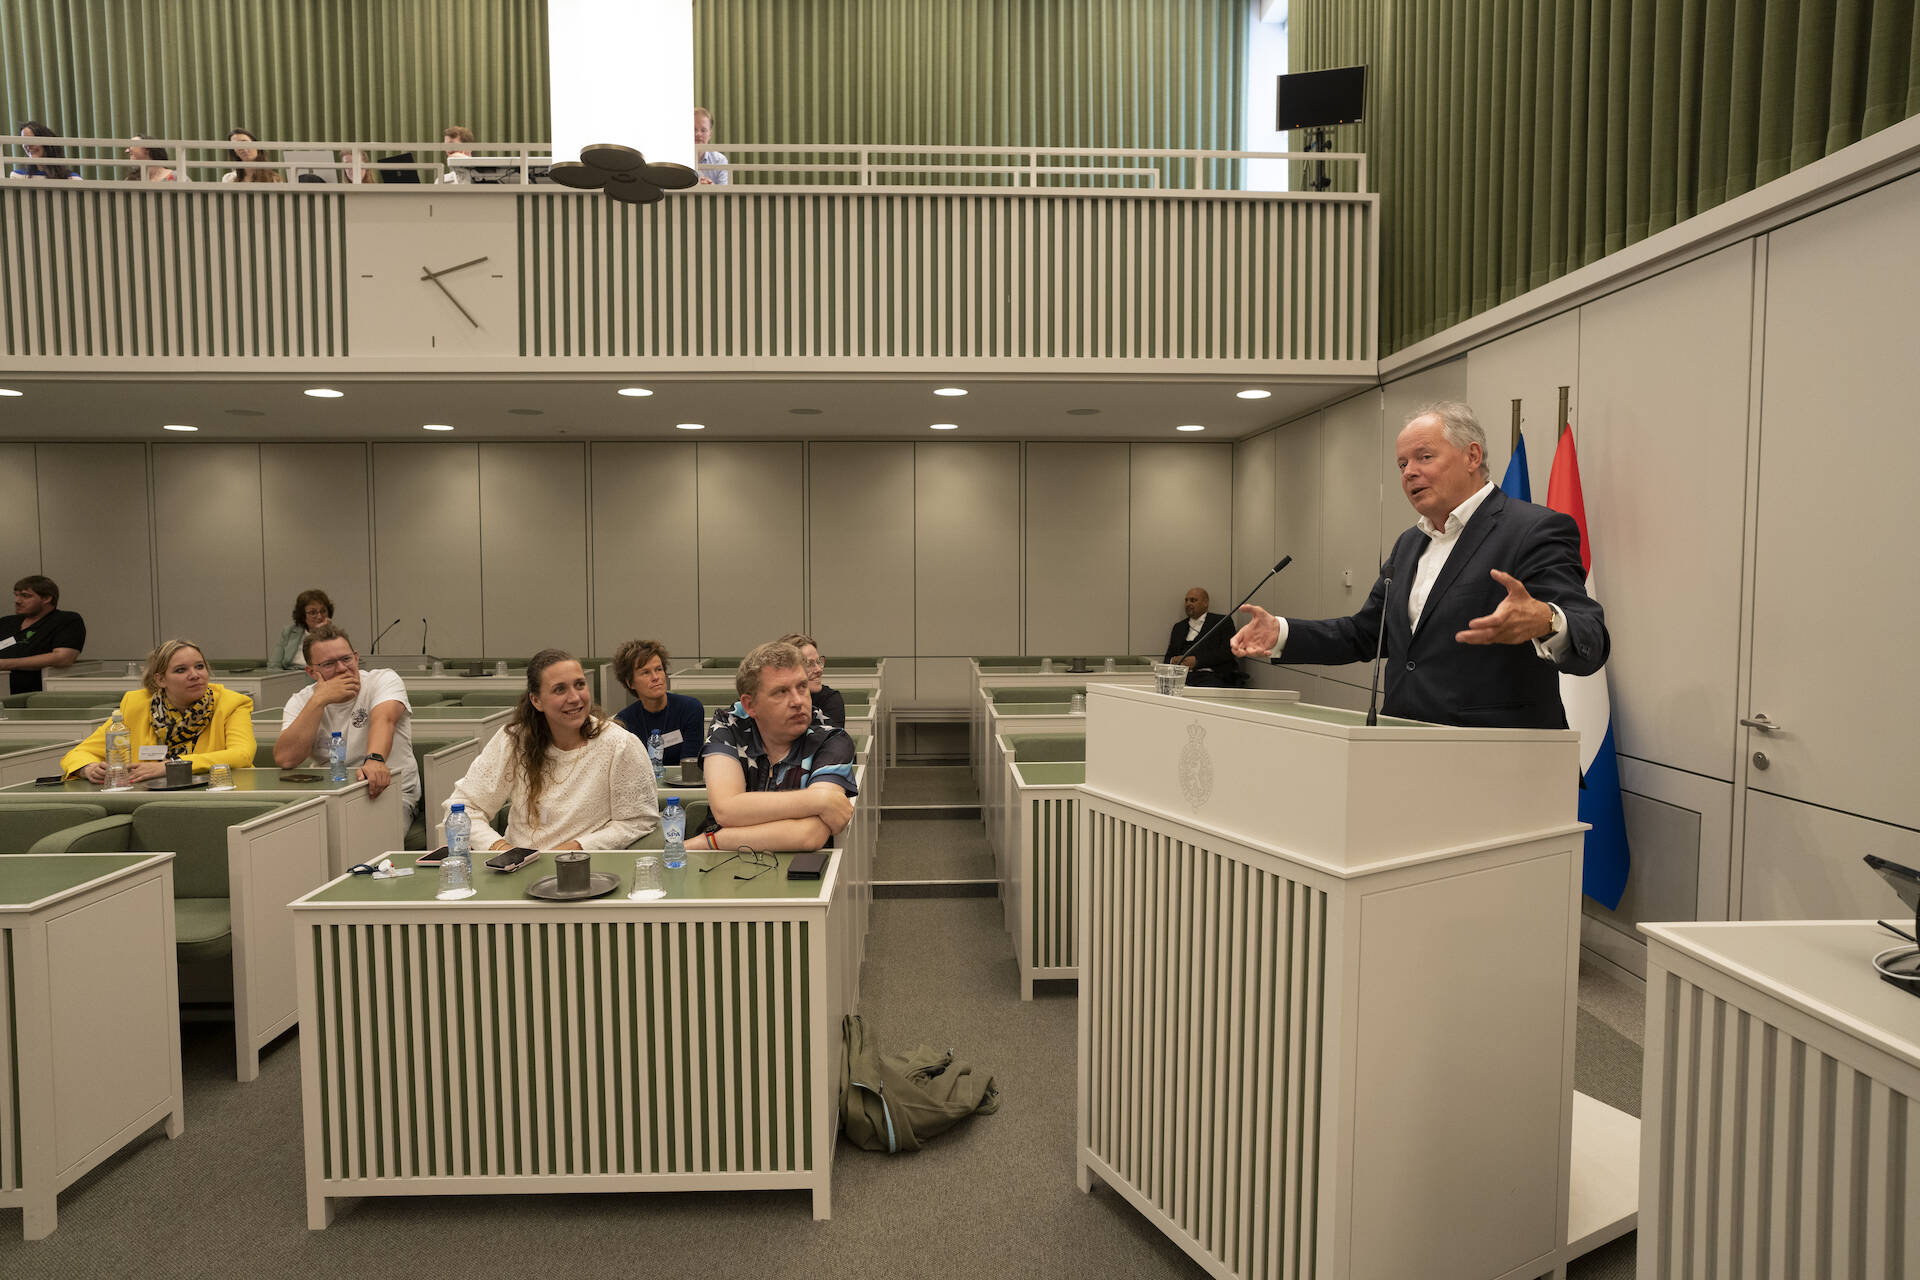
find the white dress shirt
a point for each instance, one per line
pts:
(1433, 558)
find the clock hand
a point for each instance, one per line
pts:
(428, 275)
(450, 298)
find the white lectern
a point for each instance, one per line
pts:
(1328, 990)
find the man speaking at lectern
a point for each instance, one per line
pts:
(1484, 598)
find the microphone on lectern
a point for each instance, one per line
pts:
(1379, 645)
(1284, 562)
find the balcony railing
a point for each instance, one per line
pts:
(871, 258)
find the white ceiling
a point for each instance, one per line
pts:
(731, 407)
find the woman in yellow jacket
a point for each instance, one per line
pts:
(179, 709)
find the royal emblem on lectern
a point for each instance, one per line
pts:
(1196, 767)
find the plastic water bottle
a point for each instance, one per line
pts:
(456, 873)
(119, 751)
(657, 752)
(337, 758)
(673, 825)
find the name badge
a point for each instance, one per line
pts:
(673, 739)
(8, 643)
(153, 753)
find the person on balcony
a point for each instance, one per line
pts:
(41, 162)
(457, 135)
(150, 163)
(249, 157)
(712, 164)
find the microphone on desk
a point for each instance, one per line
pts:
(1284, 562)
(375, 646)
(1379, 645)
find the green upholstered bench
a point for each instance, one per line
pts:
(1047, 746)
(237, 863)
(105, 702)
(23, 825)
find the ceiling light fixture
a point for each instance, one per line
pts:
(9, 391)
(633, 391)
(1253, 393)
(949, 391)
(323, 393)
(689, 426)
(944, 426)
(1191, 426)
(178, 426)
(435, 426)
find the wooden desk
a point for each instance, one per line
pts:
(1781, 1126)
(89, 1018)
(507, 1044)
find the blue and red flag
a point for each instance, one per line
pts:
(1590, 710)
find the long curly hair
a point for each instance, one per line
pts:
(532, 736)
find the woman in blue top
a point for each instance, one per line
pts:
(641, 666)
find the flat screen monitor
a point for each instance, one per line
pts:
(1311, 99)
(400, 175)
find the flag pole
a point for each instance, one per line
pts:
(1515, 442)
(1565, 398)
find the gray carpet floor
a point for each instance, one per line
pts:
(995, 1197)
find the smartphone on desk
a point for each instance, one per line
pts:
(807, 866)
(433, 859)
(511, 859)
(50, 780)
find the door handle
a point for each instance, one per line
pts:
(1760, 721)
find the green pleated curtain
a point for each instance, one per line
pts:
(1513, 141)
(1088, 73)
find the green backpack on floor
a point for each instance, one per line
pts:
(895, 1103)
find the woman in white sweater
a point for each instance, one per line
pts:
(576, 780)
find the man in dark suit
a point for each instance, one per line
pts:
(1487, 603)
(1212, 665)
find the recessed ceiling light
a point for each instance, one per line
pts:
(1253, 393)
(1190, 427)
(324, 393)
(949, 391)
(944, 426)
(690, 426)
(178, 426)
(9, 391)
(435, 426)
(634, 391)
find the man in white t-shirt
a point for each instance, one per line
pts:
(369, 709)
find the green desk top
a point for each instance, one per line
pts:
(1051, 773)
(688, 884)
(26, 880)
(1035, 709)
(245, 781)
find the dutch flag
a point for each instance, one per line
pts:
(1591, 712)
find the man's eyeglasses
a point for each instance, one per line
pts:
(763, 861)
(332, 665)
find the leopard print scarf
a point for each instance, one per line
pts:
(181, 729)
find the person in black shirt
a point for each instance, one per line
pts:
(40, 634)
(828, 702)
(641, 665)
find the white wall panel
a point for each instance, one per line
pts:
(19, 514)
(207, 546)
(1662, 439)
(426, 545)
(1254, 505)
(646, 548)
(1180, 530)
(1531, 365)
(314, 533)
(1077, 553)
(533, 549)
(94, 542)
(752, 563)
(1298, 518)
(966, 549)
(861, 521)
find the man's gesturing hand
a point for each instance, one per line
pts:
(1257, 638)
(1519, 618)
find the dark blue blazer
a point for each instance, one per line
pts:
(1430, 675)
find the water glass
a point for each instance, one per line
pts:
(456, 879)
(1077, 704)
(1169, 678)
(439, 667)
(220, 778)
(135, 670)
(1110, 666)
(500, 667)
(1046, 666)
(649, 879)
